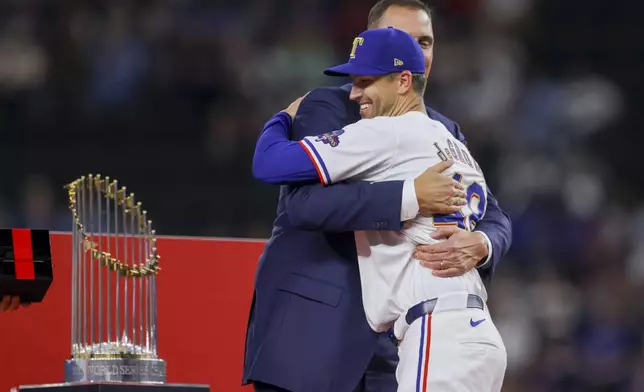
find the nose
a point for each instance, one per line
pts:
(355, 94)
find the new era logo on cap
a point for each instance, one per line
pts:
(380, 52)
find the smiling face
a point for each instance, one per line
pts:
(376, 95)
(387, 95)
(415, 22)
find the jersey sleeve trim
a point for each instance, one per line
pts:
(323, 173)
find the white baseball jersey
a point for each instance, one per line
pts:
(400, 148)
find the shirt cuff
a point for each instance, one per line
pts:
(489, 250)
(409, 208)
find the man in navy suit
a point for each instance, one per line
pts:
(307, 329)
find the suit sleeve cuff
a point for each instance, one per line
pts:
(409, 208)
(489, 251)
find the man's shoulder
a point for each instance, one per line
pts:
(451, 125)
(332, 101)
(339, 94)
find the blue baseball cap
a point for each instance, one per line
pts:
(382, 51)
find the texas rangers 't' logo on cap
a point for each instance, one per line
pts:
(382, 51)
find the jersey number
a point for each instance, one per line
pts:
(476, 200)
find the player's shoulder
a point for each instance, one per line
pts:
(407, 122)
(419, 121)
(381, 123)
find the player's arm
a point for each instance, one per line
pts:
(278, 160)
(358, 205)
(358, 149)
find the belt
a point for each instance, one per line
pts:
(426, 307)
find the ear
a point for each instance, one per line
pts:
(405, 82)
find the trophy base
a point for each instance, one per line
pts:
(135, 370)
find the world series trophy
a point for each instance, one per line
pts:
(114, 295)
(114, 304)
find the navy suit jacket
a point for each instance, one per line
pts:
(307, 330)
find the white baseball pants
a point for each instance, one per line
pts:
(450, 351)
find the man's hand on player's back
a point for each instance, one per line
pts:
(438, 193)
(10, 303)
(291, 110)
(462, 250)
(460, 253)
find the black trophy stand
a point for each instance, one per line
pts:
(112, 387)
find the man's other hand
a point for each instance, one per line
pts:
(438, 193)
(459, 253)
(10, 303)
(292, 108)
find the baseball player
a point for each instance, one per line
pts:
(447, 340)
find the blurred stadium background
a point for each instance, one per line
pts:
(169, 97)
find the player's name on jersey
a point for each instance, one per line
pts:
(452, 151)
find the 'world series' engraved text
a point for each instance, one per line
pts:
(146, 371)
